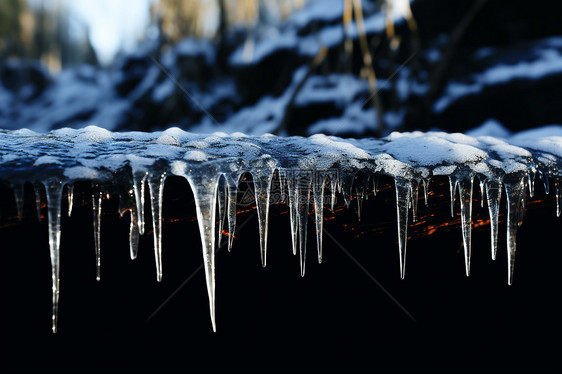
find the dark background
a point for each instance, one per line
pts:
(336, 318)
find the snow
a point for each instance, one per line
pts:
(548, 62)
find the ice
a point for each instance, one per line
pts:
(213, 165)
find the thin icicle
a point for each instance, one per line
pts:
(482, 182)
(205, 193)
(262, 186)
(402, 187)
(53, 189)
(426, 190)
(414, 191)
(232, 194)
(531, 182)
(222, 199)
(558, 197)
(293, 206)
(156, 186)
(97, 196)
(465, 198)
(37, 192)
(453, 182)
(134, 233)
(346, 185)
(318, 192)
(333, 187)
(70, 195)
(493, 192)
(139, 191)
(303, 199)
(515, 190)
(545, 182)
(18, 195)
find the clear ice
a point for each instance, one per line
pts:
(134, 164)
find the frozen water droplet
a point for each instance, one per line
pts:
(402, 187)
(465, 198)
(515, 191)
(156, 186)
(53, 189)
(493, 191)
(97, 196)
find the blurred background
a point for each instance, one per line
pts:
(343, 67)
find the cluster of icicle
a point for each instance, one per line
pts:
(127, 162)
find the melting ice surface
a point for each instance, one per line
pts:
(133, 164)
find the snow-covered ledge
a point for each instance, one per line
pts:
(125, 162)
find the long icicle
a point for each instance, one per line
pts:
(97, 196)
(156, 186)
(515, 189)
(134, 233)
(53, 190)
(493, 192)
(465, 198)
(139, 190)
(304, 180)
(402, 187)
(232, 183)
(70, 196)
(318, 184)
(262, 186)
(293, 207)
(453, 182)
(205, 194)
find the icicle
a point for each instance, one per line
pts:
(70, 195)
(262, 186)
(156, 186)
(222, 202)
(318, 192)
(414, 191)
(465, 198)
(360, 185)
(303, 198)
(544, 179)
(531, 181)
(139, 190)
(97, 196)
(482, 191)
(232, 194)
(493, 192)
(205, 193)
(426, 190)
(515, 190)
(558, 197)
(453, 182)
(375, 184)
(333, 187)
(53, 189)
(134, 233)
(18, 195)
(402, 187)
(293, 206)
(37, 191)
(346, 188)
